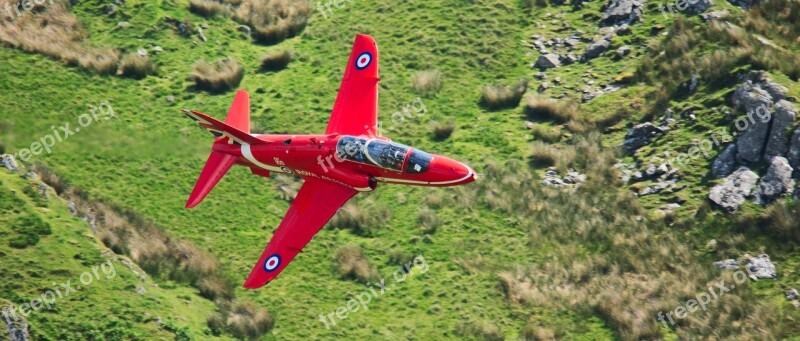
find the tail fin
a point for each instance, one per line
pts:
(237, 129)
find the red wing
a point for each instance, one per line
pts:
(315, 204)
(356, 109)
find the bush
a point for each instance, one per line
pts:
(428, 220)
(501, 96)
(271, 21)
(427, 82)
(276, 61)
(209, 8)
(351, 263)
(441, 131)
(222, 75)
(136, 66)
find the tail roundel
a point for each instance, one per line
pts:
(236, 128)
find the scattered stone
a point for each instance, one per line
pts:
(31, 175)
(568, 59)
(141, 290)
(618, 12)
(698, 6)
(744, 3)
(543, 87)
(623, 51)
(666, 209)
(171, 99)
(734, 190)
(529, 125)
(724, 163)
(596, 48)
(572, 42)
(158, 49)
(572, 179)
(640, 136)
(16, 326)
(123, 24)
(776, 183)
(72, 209)
(9, 162)
(793, 156)
(201, 35)
(658, 187)
(623, 30)
(540, 75)
(728, 264)
(791, 294)
(689, 87)
(141, 52)
(761, 267)
(715, 15)
(548, 61)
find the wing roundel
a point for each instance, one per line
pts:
(356, 109)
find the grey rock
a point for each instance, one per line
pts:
(728, 264)
(777, 182)
(761, 267)
(623, 30)
(744, 3)
(715, 15)
(543, 87)
(9, 162)
(572, 42)
(777, 91)
(201, 35)
(16, 326)
(690, 86)
(596, 48)
(123, 24)
(698, 6)
(623, 51)
(245, 29)
(568, 59)
(756, 103)
(158, 49)
(658, 187)
(141, 290)
(72, 209)
(734, 190)
(548, 61)
(618, 12)
(791, 294)
(793, 155)
(640, 135)
(141, 52)
(782, 120)
(724, 163)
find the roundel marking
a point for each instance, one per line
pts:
(272, 263)
(363, 60)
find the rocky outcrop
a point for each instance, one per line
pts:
(757, 104)
(724, 163)
(728, 264)
(793, 155)
(734, 190)
(572, 179)
(9, 162)
(699, 6)
(761, 267)
(782, 120)
(618, 12)
(17, 327)
(640, 135)
(777, 182)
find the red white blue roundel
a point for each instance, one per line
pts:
(272, 263)
(363, 60)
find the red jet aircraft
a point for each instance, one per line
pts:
(347, 159)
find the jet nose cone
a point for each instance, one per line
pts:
(456, 173)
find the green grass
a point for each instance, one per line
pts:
(148, 157)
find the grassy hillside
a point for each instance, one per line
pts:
(506, 257)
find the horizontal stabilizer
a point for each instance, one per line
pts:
(217, 165)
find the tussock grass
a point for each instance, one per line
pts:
(136, 66)
(352, 264)
(542, 108)
(630, 261)
(495, 97)
(427, 82)
(443, 130)
(546, 134)
(247, 321)
(362, 216)
(271, 21)
(276, 61)
(55, 32)
(220, 76)
(550, 155)
(481, 331)
(428, 220)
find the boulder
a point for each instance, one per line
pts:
(548, 61)
(777, 182)
(782, 120)
(623, 51)
(618, 12)
(728, 264)
(698, 6)
(596, 48)
(623, 30)
(715, 15)
(761, 267)
(640, 136)
(734, 190)
(756, 103)
(9, 162)
(744, 3)
(791, 294)
(724, 163)
(793, 155)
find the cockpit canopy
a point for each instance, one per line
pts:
(384, 154)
